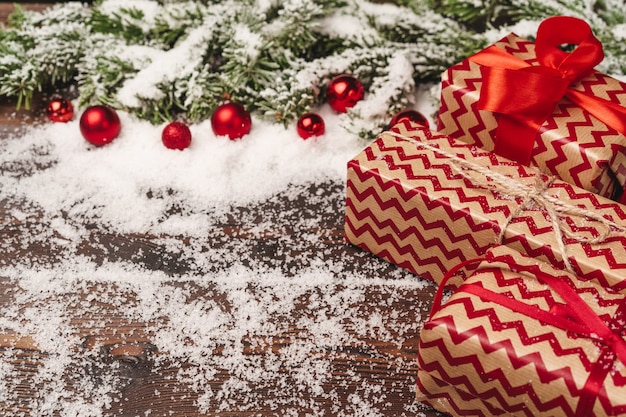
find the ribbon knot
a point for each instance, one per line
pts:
(524, 96)
(537, 193)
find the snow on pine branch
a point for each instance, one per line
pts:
(116, 51)
(273, 57)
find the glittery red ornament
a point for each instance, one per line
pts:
(232, 120)
(176, 135)
(411, 116)
(99, 125)
(310, 124)
(60, 110)
(343, 92)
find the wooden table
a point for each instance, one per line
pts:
(117, 353)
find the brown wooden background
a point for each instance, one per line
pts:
(127, 345)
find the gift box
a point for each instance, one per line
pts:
(537, 105)
(521, 338)
(425, 201)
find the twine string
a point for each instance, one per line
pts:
(537, 194)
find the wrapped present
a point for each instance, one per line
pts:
(425, 201)
(522, 338)
(537, 105)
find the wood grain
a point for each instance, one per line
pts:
(112, 347)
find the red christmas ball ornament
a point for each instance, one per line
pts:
(60, 110)
(410, 116)
(343, 92)
(176, 135)
(231, 119)
(310, 124)
(99, 125)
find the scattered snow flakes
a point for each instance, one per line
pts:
(226, 262)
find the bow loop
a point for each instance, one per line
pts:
(556, 31)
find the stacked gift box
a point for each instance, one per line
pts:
(562, 117)
(520, 337)
(534, 249)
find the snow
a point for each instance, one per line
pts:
(342, 26)
(619, 31)
(132, 174)
(213, 290)
(158, 66)
(252, 42)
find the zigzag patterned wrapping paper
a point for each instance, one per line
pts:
(571, 144)
(479, 358)
(407, 205)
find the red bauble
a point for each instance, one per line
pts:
(310, 124)
(176, 135)
(232, 120)
(343, 92)
(99, 125)
(60, 110)
(409, 115)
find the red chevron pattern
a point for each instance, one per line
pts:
(521, 48)
(478, 358)
(408, 206)
(572, 144)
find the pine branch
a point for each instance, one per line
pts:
(174, 21)
(125, 23)
(167, 59)
(40, 50)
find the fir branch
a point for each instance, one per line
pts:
(200, 94)
(175, 21)
(41, 50)
(180, 79)
(18, 17)
(392, 90)
(246, 59)
(123, 23)
(286, 28)
(296, 90)
(611, 12)
(436, 41)
(101, 76)
(168, 59)
(484, 14)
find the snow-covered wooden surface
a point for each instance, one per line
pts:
(290, 320)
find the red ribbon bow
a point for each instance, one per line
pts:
(526, 95)
(575, 316)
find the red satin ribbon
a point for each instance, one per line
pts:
(524, 96)
(574, 316)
